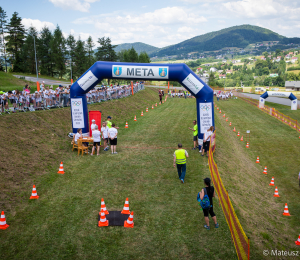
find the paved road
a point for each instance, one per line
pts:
(47, 81)
(282, 101)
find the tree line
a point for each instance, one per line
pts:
(56, 55)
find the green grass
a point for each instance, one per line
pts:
(9, 82)
(277, 146)
(294, 114)
(41, 76)
(168, 220)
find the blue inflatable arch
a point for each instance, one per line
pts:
(142, 71)
(289, 95)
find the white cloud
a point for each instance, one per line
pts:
(185, 29)
(252, 8)
(169, 25)
(77, 5)
(27, 22)
(201, 1)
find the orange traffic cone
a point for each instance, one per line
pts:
(224, 115)
(142, 114)
(159, 103)
(126, 207)
(217, 108)
(272, 182)
(103, 207)
(135, 118)
(103, 221)
(152, 107)
(34, 194)
(165, 99)
(227, 119)
(215, 105)
(238, 134)
(61, 168)
(3, 224)
(147, 109)
(129, 222)
(257, 159)
(265, 170)
(162, 101)
(276, 193)
(220, 111)
(242, 138)
(126, 126)
(298, 241)
(286, 210)
(230, 124)
(156, 104)
(294, 126)
(247, 145)
(234, 129)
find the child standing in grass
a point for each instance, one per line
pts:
(210, 192)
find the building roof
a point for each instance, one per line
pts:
(292, 84)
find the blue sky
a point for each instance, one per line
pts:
(157, 22)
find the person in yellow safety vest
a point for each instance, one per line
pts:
(180, 156)
(195, 130)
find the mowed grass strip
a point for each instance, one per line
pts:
(277, 146)
(34, 143)
(294, 114)
(168, 220)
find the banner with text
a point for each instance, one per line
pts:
(148, 72)
(206, 120)
(77, 112)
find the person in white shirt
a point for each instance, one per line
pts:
(97, 139)
(112, 135)
(206, 140)
(104, 131)
(93, 125)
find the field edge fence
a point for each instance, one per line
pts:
(239, 238)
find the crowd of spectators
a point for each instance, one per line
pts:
(49, 97)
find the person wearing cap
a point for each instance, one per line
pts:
(180, 156)
(210, 191)
(108, 122)
(93, 125)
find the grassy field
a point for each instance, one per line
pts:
(295, 114)
(9, 82)
(62, 224)
(277, 146)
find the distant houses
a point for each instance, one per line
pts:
(292, 85)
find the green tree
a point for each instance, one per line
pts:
(15, 40)
(3, 22)
(80, 59)
(45, 52)
(120, 55)
(144, 58)
(90, 52)
(28, 52)
(133, 55)
(106, 52)
(211, 79)
(58, 49)
(70, 45)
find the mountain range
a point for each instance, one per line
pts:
(236, 36)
